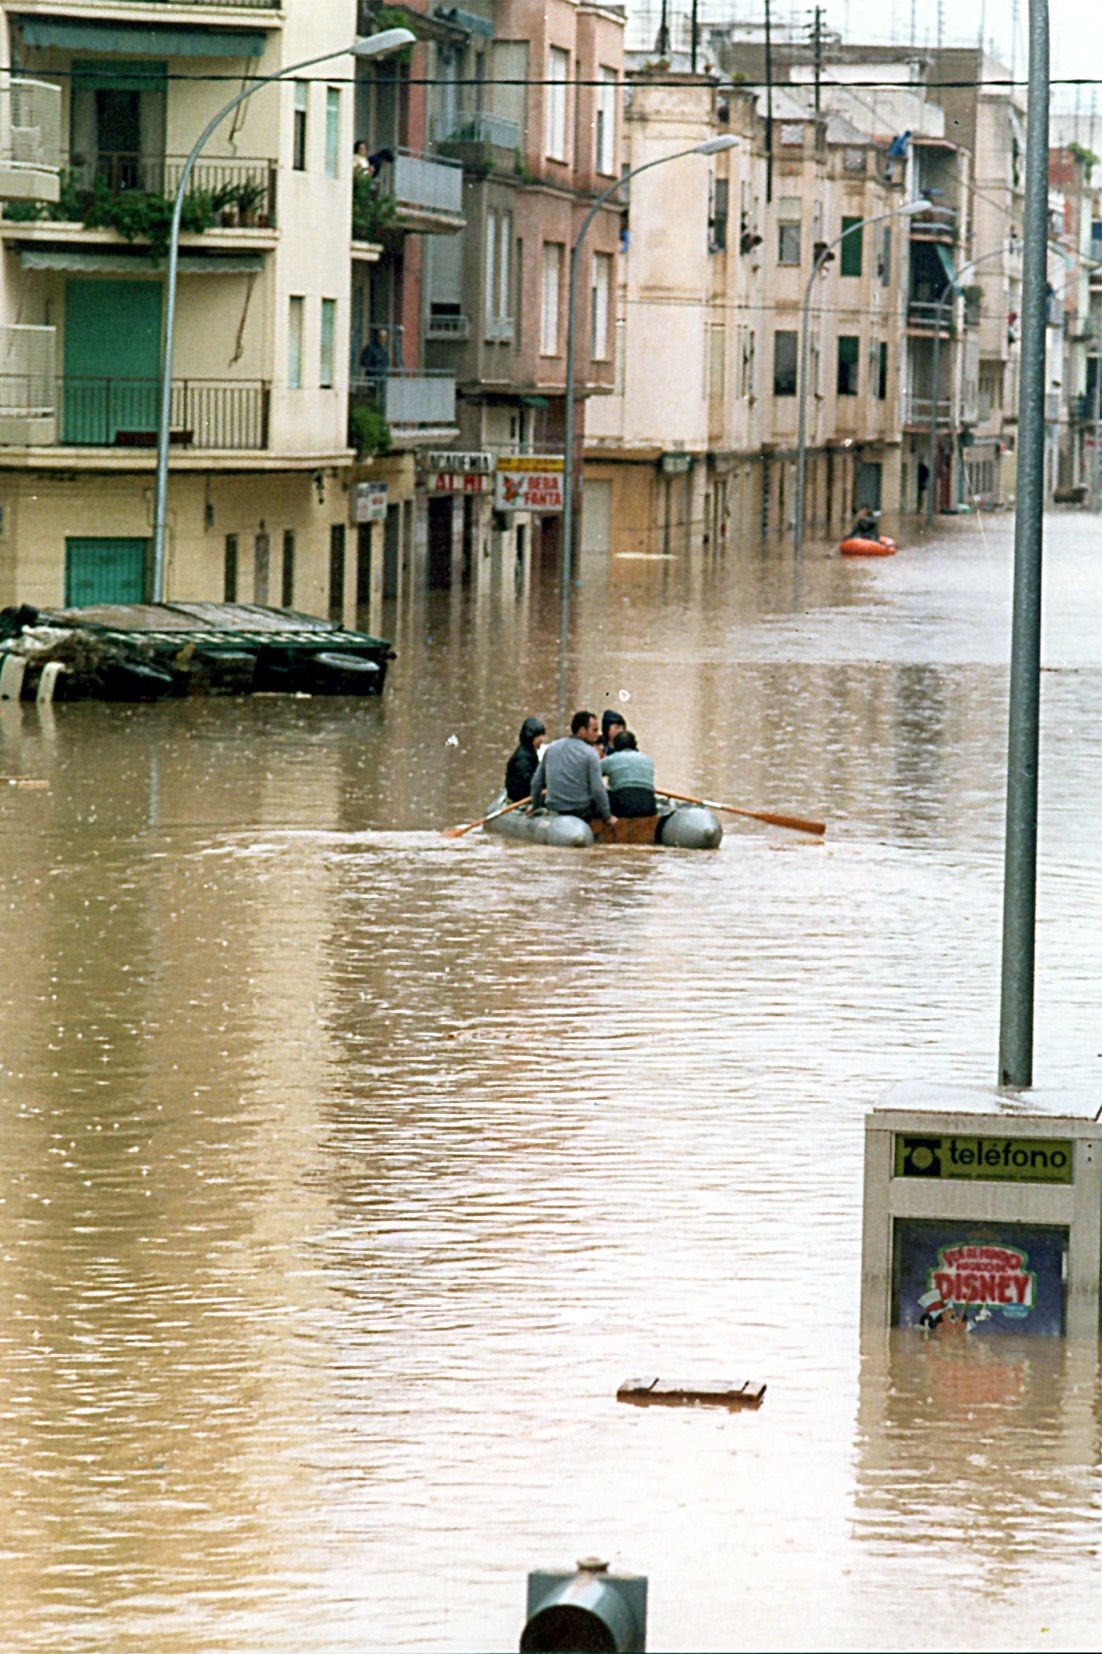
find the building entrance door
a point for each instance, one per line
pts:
(112, 368)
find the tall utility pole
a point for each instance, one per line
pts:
(817, 44)
(1023, 742)
(768, 104)
(694, 36)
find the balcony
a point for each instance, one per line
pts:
(918, 411)
(934, 224)
(28, 386)
(451, 328)
(237, 191)
(931, 316)
(124, 413)
(30, 140)
(470, 134)
(417, 403)
(427, 191)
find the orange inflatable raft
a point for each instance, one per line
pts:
(868, 548)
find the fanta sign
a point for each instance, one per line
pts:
(529, 482)
(993, 1275)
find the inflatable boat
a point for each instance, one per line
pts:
(677, 826)
(868, 548)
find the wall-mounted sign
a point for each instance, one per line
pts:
(993, 1277)
(368, 502)
(457, 482)
(529, 482)
(985, 1159)
(480, 462)
(676, 465)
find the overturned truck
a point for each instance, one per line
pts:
(146, 651)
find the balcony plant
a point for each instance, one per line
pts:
(373, 211)
(368, 431)
(250, 195)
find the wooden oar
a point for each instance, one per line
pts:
(469, 826)
(797, 823)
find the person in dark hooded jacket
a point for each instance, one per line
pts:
(612, 725)
(523, 764)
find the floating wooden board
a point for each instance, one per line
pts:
(720, 1392)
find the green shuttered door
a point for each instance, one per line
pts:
(104, 571)
(112, 359)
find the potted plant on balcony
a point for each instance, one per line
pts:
(250, 194)
(224, 205)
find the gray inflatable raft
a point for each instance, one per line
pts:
(681, 826)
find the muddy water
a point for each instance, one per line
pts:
(347, 1169)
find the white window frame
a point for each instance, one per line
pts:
(327, 344)
(605, 148)
(600, 306)
(296, 336)
(332, 131)
(551, 261)
(554, 122)
(504, 268)
(489, 273)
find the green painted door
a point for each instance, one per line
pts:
(105, 571)
(112, 359)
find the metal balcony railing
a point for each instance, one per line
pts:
(410, 399)
(928, 313)
(937, 221)
(242, 190)
(475, 126)
(124, 413)
(919, 410)
(30, 125)
(423, 183)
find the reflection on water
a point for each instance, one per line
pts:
(348, 1169)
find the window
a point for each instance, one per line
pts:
(853, 158)
(504, 273)
(748, 349)
(489, 275)
(336, 571)
(717, 224)
(789, 214)
(328, 342)
(554, 124)
(229, 570)
(792, 134)
(262, 547)
(287, 590)
(298, 141)
(550, 285)
(296, 307)
(602, 288)
(332, 132)
(784, 363)
(518, 313)
(886, 256)
(606, 122)
(882, 373)
(717, 360)
(848, 347)
(851, 247)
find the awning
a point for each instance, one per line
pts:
(945, 259)
(77, 261)
(134, 39)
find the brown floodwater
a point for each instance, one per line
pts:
(348, 1169)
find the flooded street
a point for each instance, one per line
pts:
(348, 1169)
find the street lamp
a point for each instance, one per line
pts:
(375, 45)
(712, 146)
(908, 210)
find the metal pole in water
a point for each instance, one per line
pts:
(1020, 879)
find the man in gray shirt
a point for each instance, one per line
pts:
(571, 773)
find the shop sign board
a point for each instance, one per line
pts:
(993, 1277)
(984, 1159)
(369, 500)
(457, 482)
(529, 482)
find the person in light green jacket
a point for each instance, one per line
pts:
(630, 777)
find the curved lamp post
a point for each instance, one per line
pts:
(713, 146)
(376, 45)
(908, 210)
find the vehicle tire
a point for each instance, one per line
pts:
(334, 673)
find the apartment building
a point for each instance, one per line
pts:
(531, 109)
(699, 445)
(258, 505)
